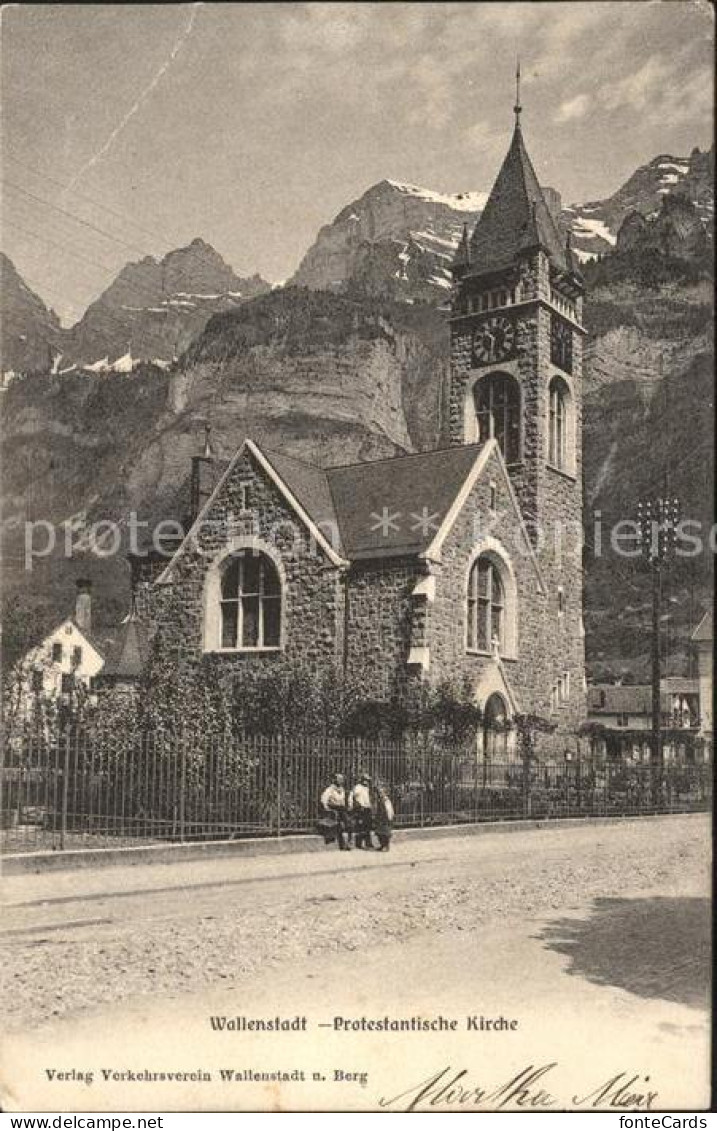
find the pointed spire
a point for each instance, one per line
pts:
(516, 218)
(128, 654)
(517, 109)
(207, 453)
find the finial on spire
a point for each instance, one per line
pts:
(517, 108)
(207, 453)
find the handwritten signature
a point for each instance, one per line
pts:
(527, 1089)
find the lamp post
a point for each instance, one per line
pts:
(658, 519)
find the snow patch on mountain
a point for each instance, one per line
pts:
(458, 201)
(589, 229)
(124, 364)
(101, 366)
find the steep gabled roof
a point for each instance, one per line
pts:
(101, 638)
(310, 486)
(395, 506)
(610, 699)
(308, 479)
(516, 217)
(636, 699)
(99, 643)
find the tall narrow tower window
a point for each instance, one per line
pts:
(558, 424)
(497, 404)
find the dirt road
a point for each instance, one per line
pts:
(593, 939)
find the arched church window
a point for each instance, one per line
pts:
(486, 607)
(497, 405)
(250, 602)
(558, 424)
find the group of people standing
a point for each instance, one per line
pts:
(363, 810)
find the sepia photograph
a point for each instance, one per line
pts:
(358, 535)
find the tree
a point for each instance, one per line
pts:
(528, 727)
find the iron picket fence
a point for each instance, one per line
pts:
(75, 790)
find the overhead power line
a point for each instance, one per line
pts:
(77, 219)
(104, 267)
(72, 253)
(83, 196)
(141, 291)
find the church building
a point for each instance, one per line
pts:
(456, 563)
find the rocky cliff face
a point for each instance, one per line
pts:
(595, 225)
(395, 242)
(675, 232)
(398, 239)
(316, 375)
(154, 309)
(151, 312)
(648, 427)
(29, 332)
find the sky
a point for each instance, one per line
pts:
(129, 130)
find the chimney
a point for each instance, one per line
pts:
(202, 476)
(83, 604)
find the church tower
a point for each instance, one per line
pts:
(516, 372)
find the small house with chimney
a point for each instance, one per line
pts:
(69, 658)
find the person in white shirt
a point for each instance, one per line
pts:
(335, 803)
(361, 806)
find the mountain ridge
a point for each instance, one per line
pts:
(151, 311)
(395, 240)
(398, 239)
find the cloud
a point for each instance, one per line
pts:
(573, 108)
(666, 90)
(333, 29)
(484, 136)
(687, 102)
(635, 90)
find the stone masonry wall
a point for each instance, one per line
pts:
(313, 596)
(380, 617)
(550, 500)
(543, 651)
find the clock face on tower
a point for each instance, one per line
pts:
(494, 340)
